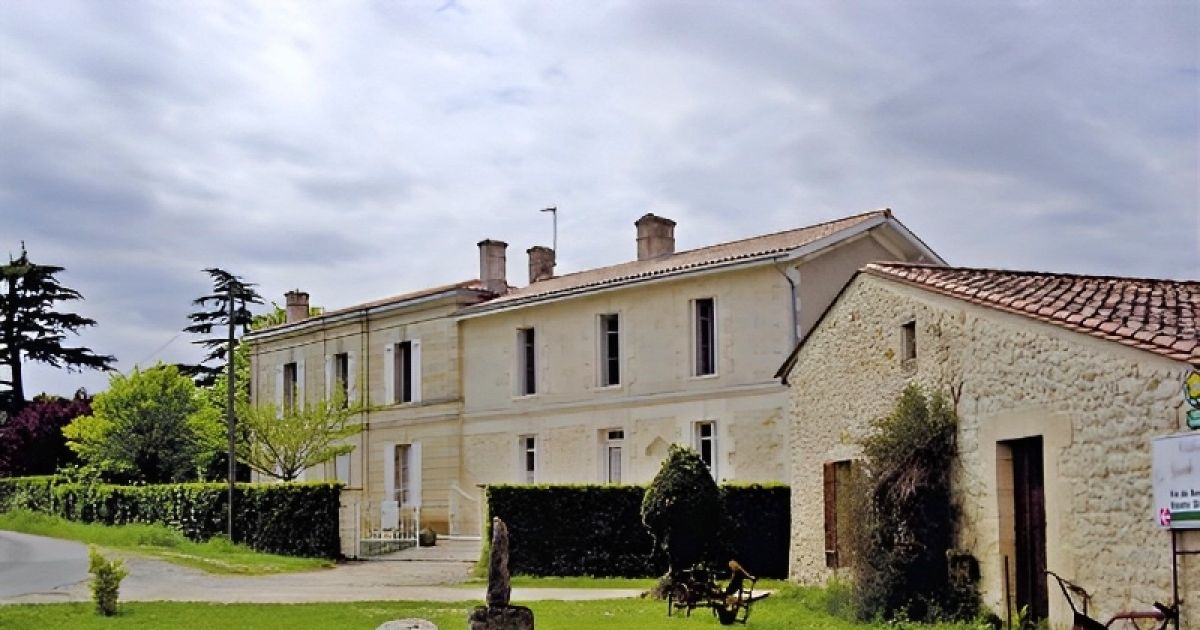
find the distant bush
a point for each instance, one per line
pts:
(296, 519)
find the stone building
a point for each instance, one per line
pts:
(583, 377)
(1060, 382)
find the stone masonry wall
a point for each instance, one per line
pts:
(1097, 405)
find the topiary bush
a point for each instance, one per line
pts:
(106, 581)
(682, 510)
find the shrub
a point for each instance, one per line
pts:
(32, 442)
(682, 510)
(297, 519)
(901, 566)
(569, 530)
(106, 581)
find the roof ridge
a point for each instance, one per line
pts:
(861, 215)
(1027, 272)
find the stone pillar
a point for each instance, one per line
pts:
(297, 305)
(499, 614)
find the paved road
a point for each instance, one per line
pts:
(431, 574)
(37, 566)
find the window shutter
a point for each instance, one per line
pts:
(389, 373)
(829, 471)
(351, 379)
(279, 389)
(300, 383)
(389, 471)
(329, 376)
(414, 468)
(415, 375)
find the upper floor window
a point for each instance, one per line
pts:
(610, 350)
(705, 326)
(290, 386)
(341, 377)
(526, 362)
(528, 458)
(402, 372)
(908, 341)
(704, 437)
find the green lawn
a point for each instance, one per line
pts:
(215, 556)
(792, 609)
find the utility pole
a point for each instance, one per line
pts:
(554, 245)
(229, 417)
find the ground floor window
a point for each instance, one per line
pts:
(612, 448)
(837, 478)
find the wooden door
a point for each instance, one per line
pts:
(1029, 516)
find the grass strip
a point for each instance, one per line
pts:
(217, 555)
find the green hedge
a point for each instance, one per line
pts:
(597, 530)
(297, 519)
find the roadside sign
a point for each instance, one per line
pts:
(1176, 472)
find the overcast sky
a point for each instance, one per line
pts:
(361, 149)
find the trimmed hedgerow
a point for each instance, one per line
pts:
(567, 530)
(297, 519)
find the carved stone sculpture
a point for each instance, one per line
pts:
(499, 614)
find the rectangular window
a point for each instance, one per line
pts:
(705, 439)
(908, 341)
(838, 495)
(341, 377)
(402, 372)
(614, 441)
(289, 387)
(706, 336)
(403, 481)
(610, 350)
(528, 458)
(526, 362)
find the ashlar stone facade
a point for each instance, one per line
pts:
(1095, 404)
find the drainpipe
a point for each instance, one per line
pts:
(792, 310)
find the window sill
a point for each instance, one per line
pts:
(609, 388)
(703, 377)
(525, 396)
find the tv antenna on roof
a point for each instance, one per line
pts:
(554, 244)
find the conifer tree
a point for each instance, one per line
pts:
(214, 317)
(33, 328)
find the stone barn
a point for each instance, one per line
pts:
(1060, 382)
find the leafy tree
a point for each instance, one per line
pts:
(215, 315)
(910, 518)
(32, 329)
(152, 426)
(682, 508)
(278, 315)
(32, 442)
(283, 445)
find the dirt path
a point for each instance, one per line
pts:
(432, 574)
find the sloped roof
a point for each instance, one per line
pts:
(399, 299)
(694, 259)
(1158, 316)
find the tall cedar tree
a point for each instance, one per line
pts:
(32, 329)
(215, 317)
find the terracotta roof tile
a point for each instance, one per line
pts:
(1159, 316)
(714, 255)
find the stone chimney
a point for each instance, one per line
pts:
(541, 263)
(297, 305)
(492, 263)
(655, 237)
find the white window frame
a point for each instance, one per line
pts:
(289, 392)
(343, 469)
(392, 374)
(610, 439)
(698, 440)
(526, 375)
(603, 373)
(409, 492)
(524, 451)
(695, 339)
